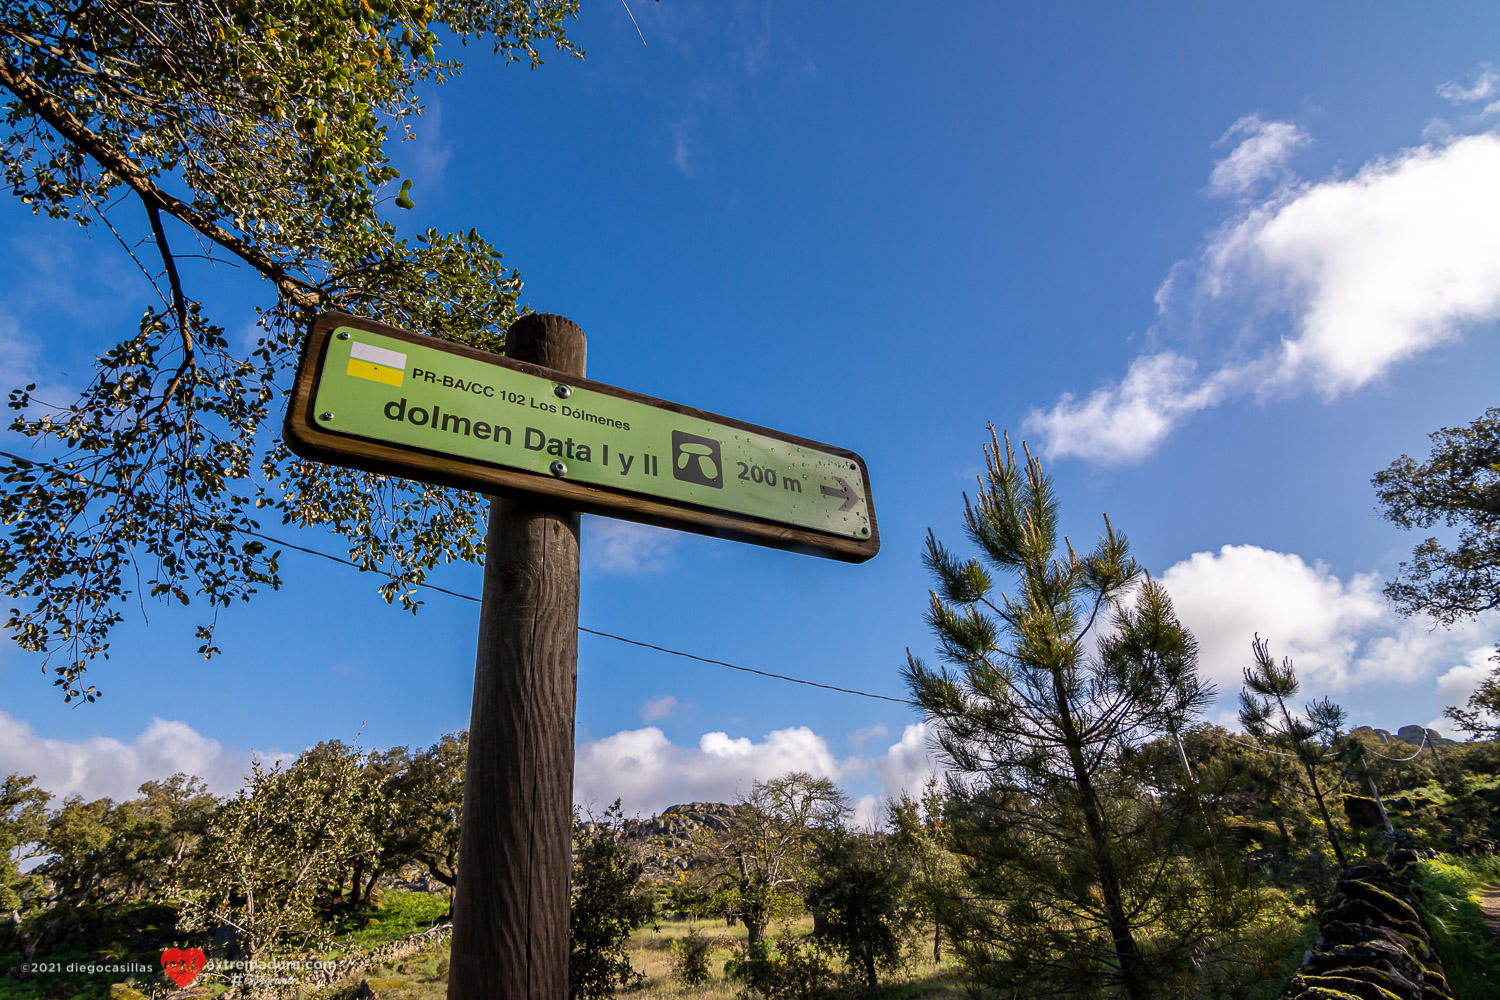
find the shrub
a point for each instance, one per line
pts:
(608, 903)
(795, 970)
(690, 957)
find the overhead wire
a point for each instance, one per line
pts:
(638, 642)
(470, 597)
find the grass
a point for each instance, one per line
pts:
(1463, 940)
(400, 914)
(1273, 947)
(423, 976)
(651, 953)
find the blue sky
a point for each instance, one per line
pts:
(1217, 266)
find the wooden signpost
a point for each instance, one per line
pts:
(547, 443)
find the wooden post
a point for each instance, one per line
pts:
(510, 907)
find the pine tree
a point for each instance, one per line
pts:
(1310, 738)
(1072, 851)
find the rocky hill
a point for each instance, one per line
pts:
(1411, 735)
(666, 840)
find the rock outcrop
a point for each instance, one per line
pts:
(1410, 735)
(666, 840)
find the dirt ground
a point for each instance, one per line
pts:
(1489, 900)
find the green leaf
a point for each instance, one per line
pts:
(403, 200)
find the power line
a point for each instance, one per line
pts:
(748, 670)
(470, 597)
(620, 638)
(1420, 747)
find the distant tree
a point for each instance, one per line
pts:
(81, 839)
(1081, 875)
(1480, 718)
(270, 853)
(1311, 738)
(158, 831)
(760, 867)
(426, 800)
(920, 838)
(1459, 486)
(107, 850)
(861, 887)
(353, 887)
(201, 135)
(1233, 779)
(23, 825)
(609, 901)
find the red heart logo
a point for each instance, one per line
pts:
(183, 964)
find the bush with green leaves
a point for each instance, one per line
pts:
(796, 968)
(690, 957)
(1089, 867)
(864, 893)
(1471, 960)
(609, 900)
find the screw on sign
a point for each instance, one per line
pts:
(372, 397)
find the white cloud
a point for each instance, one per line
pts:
(659, 708)
(103, 766)
(1303, 611)
(1323, 286)
(684, 145)
(1455, 686)
(1262, 152)
(860, 737)
(21, 364)
(648, 772)
(1125, 422)
(1381, 267)
(612, 546)
(907, 764)
(18, 354)
(1486, 85)
(867, 813)
(751, 22)
(431, 149)
(1339, 633)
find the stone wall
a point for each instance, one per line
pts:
(1373, 943)
(386, 954)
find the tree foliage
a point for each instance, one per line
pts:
(1480, 717)
(1459, 487)
(426, 801)
(1075, 848)
(1312, 738)
(861, 888)
(249, 134)
(921, 838)
(608, 902)
(23, 823)
(271, 853)
(760, 867)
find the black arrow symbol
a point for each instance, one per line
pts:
(850, 497)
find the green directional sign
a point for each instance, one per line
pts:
(378, 398)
